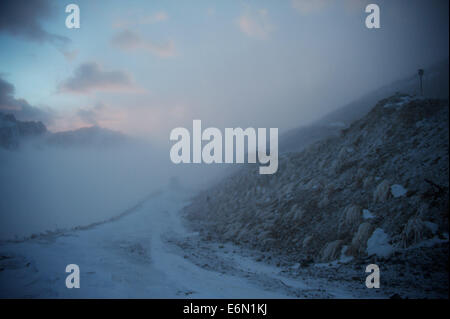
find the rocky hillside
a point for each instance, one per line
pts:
(435, 83)
(378, 189)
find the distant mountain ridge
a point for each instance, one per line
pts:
(14, 132)
(87, 136)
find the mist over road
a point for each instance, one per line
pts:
(141, 256)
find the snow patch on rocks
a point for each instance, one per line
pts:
(398, 190)
(378, 244)
(367, 214)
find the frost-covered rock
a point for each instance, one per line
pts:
(398, 190)
(433, 227)
(296, 213)
(415, 231)
(378, 244)
(381, 193)
(367, 182)
(367, 214)
(324, 202)
(361, 175)
(332, 251)
(400, 102)
(307, 241)
(352, 218)
(359, 241)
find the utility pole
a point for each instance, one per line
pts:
(421, 72)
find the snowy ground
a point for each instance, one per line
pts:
(150, 254)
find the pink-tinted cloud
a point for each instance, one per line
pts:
(70, 55)
(131, 41)
(255, 24)
(143, 117)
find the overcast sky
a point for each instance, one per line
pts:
(146, 67)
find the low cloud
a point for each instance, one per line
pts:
(310, 6)
(255, 24)
(70, 55)
(24, 19)
(306, 7)
(131, 41)
(210, 12)
(91, 116)
(143, 20)
(89, 77)
(20, 108)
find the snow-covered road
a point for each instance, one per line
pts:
(137, 256)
